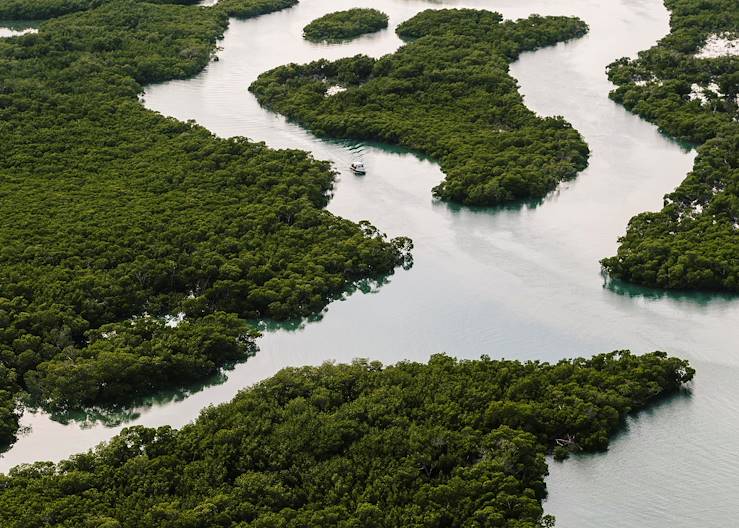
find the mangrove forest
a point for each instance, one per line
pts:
(444, 444)
(447, 93)
(693, 95)
(345, 25)
(116, 219)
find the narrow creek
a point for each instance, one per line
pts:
(519, 282)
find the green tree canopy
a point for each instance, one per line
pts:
(448, 94)
(344, 25)
(444, 444)
(114, 217)
(693, 242)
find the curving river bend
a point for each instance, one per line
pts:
(520, 282)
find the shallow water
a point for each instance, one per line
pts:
(519, 282)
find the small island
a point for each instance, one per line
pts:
(345, 25)
(447, 93)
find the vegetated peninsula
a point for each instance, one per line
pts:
(45, 9)
(448, 443)
(446, 93)
(688, 84)
(116, 219)
(345, 25)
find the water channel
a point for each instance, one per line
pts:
(518, 282)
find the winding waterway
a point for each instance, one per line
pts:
(519, 282)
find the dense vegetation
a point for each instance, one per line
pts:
(114, 217)
(251, 8)
(344, 25)
(45, 9)
(446, 444)
(446, 93)
(693, 242)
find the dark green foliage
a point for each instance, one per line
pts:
(251, 8)
(9, 411)
(447, 94)
(45, 9)
(144, 353)
(110, 212)
(344, 25)
(693, 242)
(447, 444)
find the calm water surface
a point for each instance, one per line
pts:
(520, 282)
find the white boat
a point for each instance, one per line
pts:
(358, 167)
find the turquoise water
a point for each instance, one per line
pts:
(518, 282)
